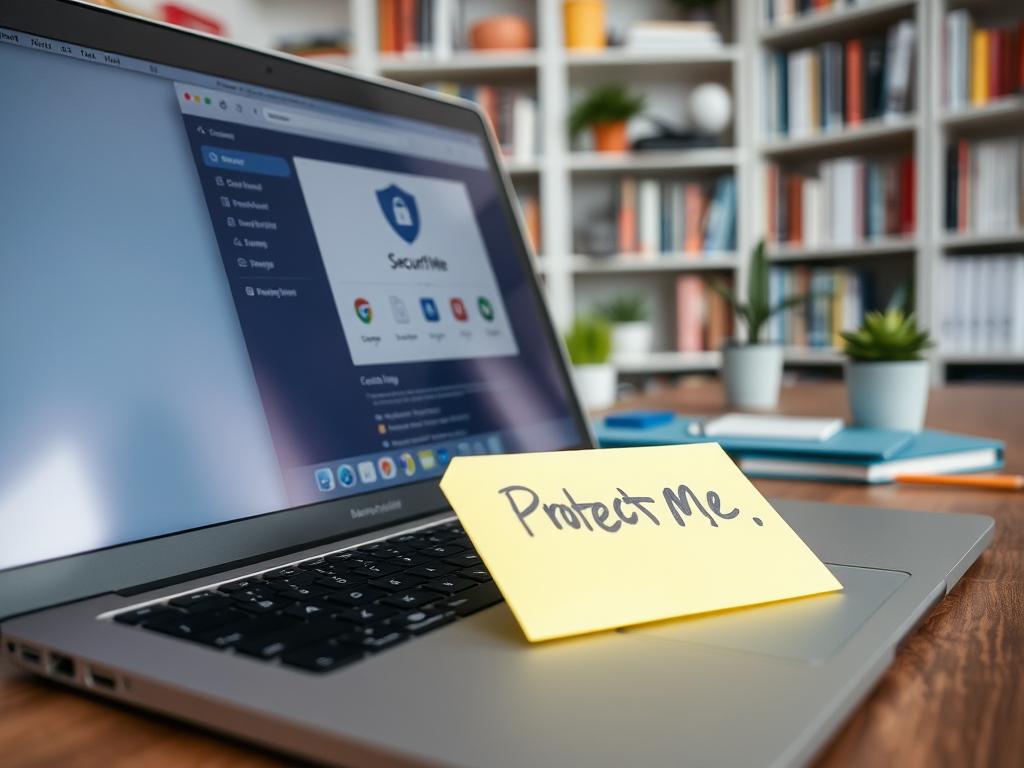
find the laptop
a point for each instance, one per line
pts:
(250, 308)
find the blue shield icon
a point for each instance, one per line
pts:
(400, 210)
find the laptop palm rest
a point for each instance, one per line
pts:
(808, 629)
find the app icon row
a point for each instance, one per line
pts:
(386, 468)
(431, 313)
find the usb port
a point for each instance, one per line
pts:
(62, 666)
(98, 679)
(31, 655)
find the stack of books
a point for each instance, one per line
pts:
(851, 200)
(985, 185)
(840, 297)
(658, 217)
(673, 36)
(513, 113)
(982, 311)
(704, 320)
(834, 84)
(419, 26)
(980, 64)
(851, 455)
(785, 11)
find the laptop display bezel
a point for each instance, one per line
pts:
(210, 548)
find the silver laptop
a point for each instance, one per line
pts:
(249, 310)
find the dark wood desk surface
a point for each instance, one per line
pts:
(953, 697)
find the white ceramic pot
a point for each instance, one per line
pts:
(632, 339)
(889, 395)
(752, 374)
(596, 385)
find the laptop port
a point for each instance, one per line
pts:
(98, 679)
(62, 666)
(31, 655)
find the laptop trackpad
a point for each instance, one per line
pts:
(806, 629)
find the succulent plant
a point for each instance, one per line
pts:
(590, 341)
(889, 335)
(626, 308)
(758, 309)
(604, 104)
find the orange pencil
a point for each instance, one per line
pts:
(998, 482)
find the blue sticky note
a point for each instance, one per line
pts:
(639, 419)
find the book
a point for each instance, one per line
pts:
(689, 313)
(928, 452)
(980, 311)
(777, 427)
(850, 444)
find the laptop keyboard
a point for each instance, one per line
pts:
(323, 613)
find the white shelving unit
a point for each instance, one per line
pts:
(569, 182)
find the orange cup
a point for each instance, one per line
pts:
(585, 24)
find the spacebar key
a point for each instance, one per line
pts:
(472, 600)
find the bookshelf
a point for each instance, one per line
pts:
(924, 133)
(573, 184)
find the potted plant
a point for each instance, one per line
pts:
(632, 332)
(887, 379)
(752, 372)
(605, 110)
(589, 344)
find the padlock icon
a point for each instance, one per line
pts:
(401, 211)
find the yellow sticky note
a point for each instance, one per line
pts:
(580, 541)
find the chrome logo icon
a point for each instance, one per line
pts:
(363, 310)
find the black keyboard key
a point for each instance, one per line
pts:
(304, 592)
(282, 573)
(376, 570)
(449, 585)
(322, 657)
(311, 565)
(340, 581)
(254, 593)
(377, 643)
(410, 561)
(291, 638)
(472, 600)
(195, 599)
(397, 582)
(148, 612)
(314, 610)
(353, 598)
(368, 614)
(191, 625)
(464, 560)
(418, 622)
(229, 634)
(412, 598)
(348, 555)
(433, 570)
(241, 584)
(479, 573)
(264, 604)
(406, 539)
(443, 550)
(305, 578)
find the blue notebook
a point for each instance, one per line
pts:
(928, 453)
(853, 455)
(852, 443)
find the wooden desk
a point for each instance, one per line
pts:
(953, 697)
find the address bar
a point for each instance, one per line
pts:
(343, 129)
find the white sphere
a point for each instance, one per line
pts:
(710, 108)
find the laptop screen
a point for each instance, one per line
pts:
(219, 301)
